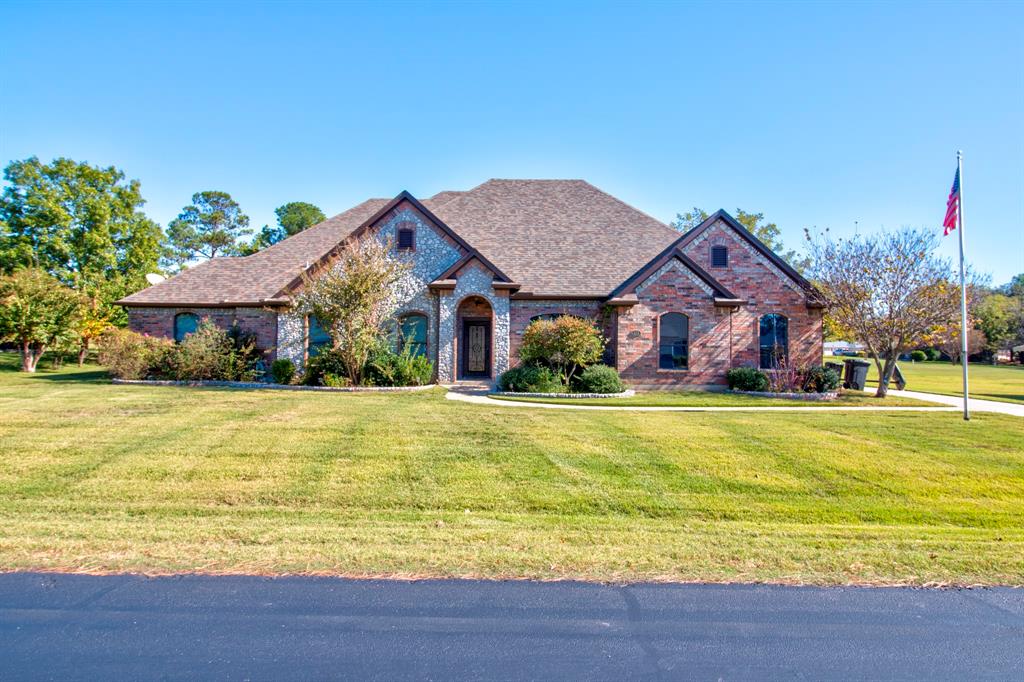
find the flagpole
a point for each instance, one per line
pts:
(963, 284)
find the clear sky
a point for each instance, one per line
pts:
(819, 115)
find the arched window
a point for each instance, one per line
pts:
(413, 333)
(719, 257)
(185, 324)
(673, 341)
(317, 339)
(774, 340)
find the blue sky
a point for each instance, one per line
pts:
(819, 115)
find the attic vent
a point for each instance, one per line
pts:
(406, 239)
(719, 257)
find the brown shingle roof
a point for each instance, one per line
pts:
(554, 237)
(261, 276)
(557, 237)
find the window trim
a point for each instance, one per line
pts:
(785, 347)
(657, 343)
(174, 328)
(720, 248)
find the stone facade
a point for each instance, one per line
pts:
(472, 280)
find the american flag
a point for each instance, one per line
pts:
(952, 206)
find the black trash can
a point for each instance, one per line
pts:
(856, 374)
(836, 367)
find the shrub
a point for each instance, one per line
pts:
(128, 355)
(599, 379)
(388, 368)
(918, 356)
(933, 354)
(336, 380)
(747, 379)
(530, 379)
(328, 361)
(282, 370)
(565, 344)
(821, 380)
(204, 354)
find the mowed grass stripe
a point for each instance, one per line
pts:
(100, 477)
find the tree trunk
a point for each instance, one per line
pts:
(82, 352)
(29, 357)
(888, 369)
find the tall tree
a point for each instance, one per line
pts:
(208, 227)
(755, 223)
(82, 224)
(292, 218)
(996, 317)
(36, 313)
(890, 290)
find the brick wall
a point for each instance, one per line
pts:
(160, 322)
(522, 310)
(766, 289)
(674, 291)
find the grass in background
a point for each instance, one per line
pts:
(723, 399)
(101, 477)
(995, 382)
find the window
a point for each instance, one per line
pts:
(413, 334)
(184, 324)
(317, 339)
(719, 257)
(774, 340)
(673, 341)
(406, 239)
(553, 316)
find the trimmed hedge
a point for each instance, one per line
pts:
(530, 379)
(599, 379)
(746, 379)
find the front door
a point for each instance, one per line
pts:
(476, 349)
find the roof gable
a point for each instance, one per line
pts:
(759, 246)
(672, 253)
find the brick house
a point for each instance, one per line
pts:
(676, 309)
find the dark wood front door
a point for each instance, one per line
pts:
(476, 349)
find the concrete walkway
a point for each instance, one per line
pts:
(478, 395)
(975, 404)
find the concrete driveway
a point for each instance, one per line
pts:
(127, 627)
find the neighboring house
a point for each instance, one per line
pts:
(675, 308)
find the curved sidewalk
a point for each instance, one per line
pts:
(478, 396)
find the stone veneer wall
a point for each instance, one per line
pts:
(472, 280)
(160, 322)
(433, 254)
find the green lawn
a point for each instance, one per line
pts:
(99, 477)
(723, 399)
(996, 382)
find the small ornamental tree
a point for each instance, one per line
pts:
(890, 291)
(37, 312)
(353, 301)
(566, 344)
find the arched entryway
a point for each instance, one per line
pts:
(475, 346)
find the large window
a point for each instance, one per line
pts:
(184, 324)
(673, 341)
(774, 341)
(317, 339)
(413, 334)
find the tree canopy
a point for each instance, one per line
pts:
(755, 223)
(292, 218)
(208, 227)
(81, 224)
(37, 312)
(890, 291)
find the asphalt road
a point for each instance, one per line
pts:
(128, 627)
